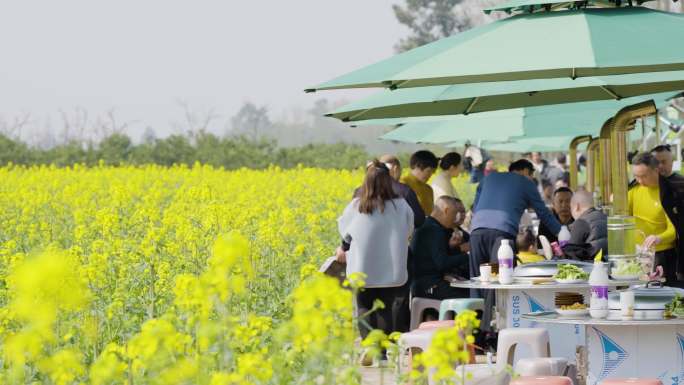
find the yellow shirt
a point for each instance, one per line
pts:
(644, 205)
(422, 190)
(529, 257)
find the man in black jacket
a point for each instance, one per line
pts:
(437, 251)
(672, 199)
(589, 232)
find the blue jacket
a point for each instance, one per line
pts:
(501, 199)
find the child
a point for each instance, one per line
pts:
(527, 248)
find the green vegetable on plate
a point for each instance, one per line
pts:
(570, 272)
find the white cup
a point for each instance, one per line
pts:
(627, 304)
(485, 273)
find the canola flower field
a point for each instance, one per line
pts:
(181, 275)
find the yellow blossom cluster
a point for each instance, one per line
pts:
(181, 275)
(447, 350)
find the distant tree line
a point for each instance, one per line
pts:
(206, 148)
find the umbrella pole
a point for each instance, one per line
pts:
(593, 169)
(604, 164)
(573, 159)
(622, 123)
(657, 127)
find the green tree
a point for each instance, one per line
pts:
(428, 20)
(175, 149)
(115, 149)
(12, 151)
(251, 120)
(431, 20)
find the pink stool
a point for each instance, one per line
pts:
(541, 367)
(436, 324)
(542, 380)
(631, 381)
(418, 307)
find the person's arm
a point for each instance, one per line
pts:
(535, 201)
(670, 234)
(409, 218)
(440, 254)
(579, 232)
(343, 223)
(477, 196)
(437, 191)
(418, 214)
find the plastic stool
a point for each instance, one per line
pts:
(418, 307)
(631, 381)
(536, 339)
(454, 306)
(543, 366)
(482, 374)
(436, 324)
(509, 339)
(415, 341)
(418, 340)
(541, 380)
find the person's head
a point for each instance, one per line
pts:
(663, 155)
(447, 210)
(423, 164)
(393, 164)
(561, 203)
(645, 169)
(560, 183)
(522, 167)
(490, 165)
(450, 163)
(582, 161)
(525, 241)
(376, 188)
(536, 157)
(561, 160)
(581, 201)
(460, 212)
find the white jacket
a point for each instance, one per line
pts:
(379, 242)
(441, 185)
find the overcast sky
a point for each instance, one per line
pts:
(143, 56)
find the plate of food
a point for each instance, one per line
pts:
(570, 274)
(627, 271)
(575, 310)
(492, 279)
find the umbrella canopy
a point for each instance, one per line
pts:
(545, 121)
(554, 144)
(481, 97)
(570, 43)
(536, 5)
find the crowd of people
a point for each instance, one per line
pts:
(407, 233)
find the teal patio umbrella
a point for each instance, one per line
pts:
(482, 97)
(544, 121)
(559, 44)
(536, 5)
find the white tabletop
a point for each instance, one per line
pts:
(555, 318)
(538, 286)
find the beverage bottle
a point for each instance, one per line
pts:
(505, 256)
(563, 236)
(598, 280)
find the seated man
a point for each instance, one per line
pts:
(526, 244)
(560, 210)
(589, 232)
(436, 250)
